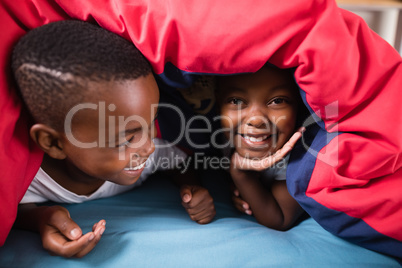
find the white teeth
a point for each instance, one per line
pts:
(253, 139)
(137, 167)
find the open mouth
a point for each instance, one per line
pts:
(136, 167)
(256, 138)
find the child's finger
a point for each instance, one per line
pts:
(97, 224)
(261, 164)
(84, 245)
(239, 207)
(185, 193)
(198, 203)
(242, 205)
(198, 196)
(288, 146)
(239, 204)
(94, 226)
(57, 244)
(98, 235)
(236, 192)
(248, 212)
(201, 208)
(204, 215)
(60, 220)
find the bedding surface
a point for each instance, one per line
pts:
(147, 227)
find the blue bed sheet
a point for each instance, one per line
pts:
(147, 227)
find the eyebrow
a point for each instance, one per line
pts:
(243, 90)
(234, 88)
(287, 85)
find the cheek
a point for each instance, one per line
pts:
(285, 120)
(100, 162)
(229, 123)
(229, 119)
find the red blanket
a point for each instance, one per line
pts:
(351, 177)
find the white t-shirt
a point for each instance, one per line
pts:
(43, 188)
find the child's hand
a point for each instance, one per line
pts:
(198, 203)
(62, 236)
(241, 163)
(238, 202)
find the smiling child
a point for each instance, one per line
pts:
(259, 113)
(93, 99)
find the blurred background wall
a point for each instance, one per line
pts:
(383, 16)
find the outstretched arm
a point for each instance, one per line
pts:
(60, 234)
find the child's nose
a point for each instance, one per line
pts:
(257, 119)
(144, 149)
(257, 122)
(148, 148)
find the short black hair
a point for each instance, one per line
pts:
(52, 64)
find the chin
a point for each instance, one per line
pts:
(126, 181)
(254, 154)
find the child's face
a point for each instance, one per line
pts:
(258, 110)
(118, 128)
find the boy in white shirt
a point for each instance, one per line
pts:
(93, 98)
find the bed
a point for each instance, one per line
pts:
(147, 227)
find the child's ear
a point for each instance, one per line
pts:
(48, 139)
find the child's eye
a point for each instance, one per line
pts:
(277, 101)
(236, 101)
(127, 142)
